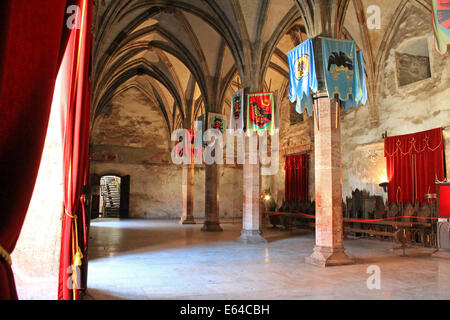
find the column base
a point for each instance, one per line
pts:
(188, 220)
(251, 237)
(327, 257)
(211, 226)
(441, 254)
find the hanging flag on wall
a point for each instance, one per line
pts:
(186, 142)
(441, 25)
(199, 130)
(302, 75)
(359, 86)
(217, 121)
(237, 110)
(260, 113)
(341, 69)
(305, 103)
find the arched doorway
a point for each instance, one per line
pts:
(109, 206)
(112, 198)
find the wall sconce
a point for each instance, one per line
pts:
(384, 185)
(266, 196)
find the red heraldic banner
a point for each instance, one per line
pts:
(260, 113)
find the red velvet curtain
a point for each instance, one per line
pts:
(75, 101)
(414, 162)
(296, 179)
(31, 34)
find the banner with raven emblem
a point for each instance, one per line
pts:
(441, 25)
(340, 68)
(237, 110)
(302, 75)
(260, 113)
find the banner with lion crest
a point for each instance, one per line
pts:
(302, 75)
(260, 113)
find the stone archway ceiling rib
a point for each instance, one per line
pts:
(306, 9)
(185, 57)
(173, 46)
(291, 17)
(138, 68)
(120, 48)
(127, 37)
(209, 11)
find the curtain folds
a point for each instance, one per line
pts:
(296, 179)
(413, 163)
(75, 102)
(31, 33)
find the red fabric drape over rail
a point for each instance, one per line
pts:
(296, 180)
(413, 163)
(75, 101)
(30, 46)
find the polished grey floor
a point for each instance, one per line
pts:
(161, 259)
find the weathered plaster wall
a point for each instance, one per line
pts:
(419, 106)
(132, 139)
(155, 189)
(415, 107)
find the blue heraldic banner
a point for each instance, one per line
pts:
(305, 103)
(302, 75)
(361, 85)
(341, 69)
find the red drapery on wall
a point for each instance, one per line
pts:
(296, 180)
(31, 41)
(75, 101)
(414, 162)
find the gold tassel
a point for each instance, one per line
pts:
(5, 255)
(77, 259)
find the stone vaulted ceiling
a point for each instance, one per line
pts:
(188, 56)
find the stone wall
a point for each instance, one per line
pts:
(415, 107)
(418, 106)
(155, 189)
(132, 138)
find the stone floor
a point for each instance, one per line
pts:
(160, 259)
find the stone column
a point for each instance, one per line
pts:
(212, 222)
(187, 213)
(329, 249)
(251, 219)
